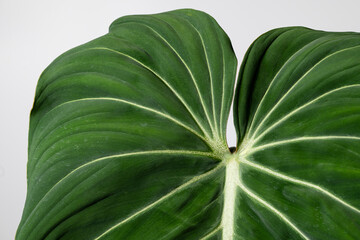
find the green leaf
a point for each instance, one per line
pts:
(127, 133)
(297, 110)
(127, 136)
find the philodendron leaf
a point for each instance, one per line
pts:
(127, 136)
(297, 110)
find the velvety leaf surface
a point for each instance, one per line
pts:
(298, 112)
(127, 133)
(127, 136)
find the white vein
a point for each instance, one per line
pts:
(295, 84)
(300, 182)
(267, 205)
(138, 106)
(299, 139)
(163, 80)
(209, 143)
(154, 204)
(212, 233)
(272, 82)
(211, 80)
(300, 108)
(223, 92)
(160, 152)
(192, 77)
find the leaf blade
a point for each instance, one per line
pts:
(299, 144)
(124, 130)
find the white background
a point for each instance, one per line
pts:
(33, 33)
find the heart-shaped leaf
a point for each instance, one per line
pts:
(127, 136)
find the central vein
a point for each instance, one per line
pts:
(230, 188)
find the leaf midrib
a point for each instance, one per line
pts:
(235, 166)
(232, 182)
